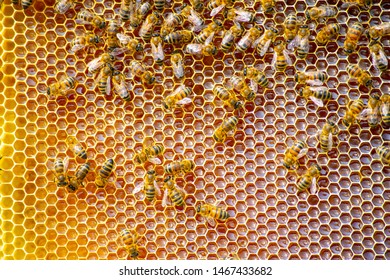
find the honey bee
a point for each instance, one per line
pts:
(377, 31)
(120, 86)
(150, 151)
(384, 154)
(290, 27)
(149, 185)
(281, 57)
(301, 41)
(98, 63)
(130, 239)
(112, 40)
(62, 6)
(103, 80)
(228, 125)
(60, 168)
(385, 108)
(60, 88)
(326, 135)
(361, 75)
(354, 109)
(137, 69)
(230, 35)
(212, 213)
(265, 41)
(173, 192)
(157, 49)
(250, 38)
(128, 44)
(257, 76)
(125, 10)
(247, 91)
(159, 5)
(268, 6)
(228, 97)
(315, 94)
(313, 78)
(215, 6)
(179, 97)
(240, 15)
(319, 13)
(147, 26)
(293, 154)
(167, 30)
(138, 13)
(76, 147)
(372, 113)
(87, 40)
(24, 3)
(197, 4)
(177, 65)
(379, 59)
(104, 173)
(180, 167)
(174, 20)
(206, 49)
(87, 17)
(364, 4)
(179, 37)
(75, 182)
(208, 32)
(309, 178)
(327, 33)
(193, 17)
(351, 39)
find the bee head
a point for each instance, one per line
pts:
(300, 92)
(296, 76)
(368, 83)
(286, 165)
(48, 91)
(274, 30)
(151, 172)
(165, 106)
(307, 15)
(348, 49)
(316, 166)
(218, 22)
(238, 104)
(245, 71)
(375, 96)
(199, 207)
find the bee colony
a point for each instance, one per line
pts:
(124, 135)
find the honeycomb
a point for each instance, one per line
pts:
(348, 218)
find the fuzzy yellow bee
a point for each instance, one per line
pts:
(265, 41)
(75, 182)
(326, 135)
(309, 178)
(320, 13)
(293, 154)
(327, 33)
(228, 126)
(150, 152)
(353, 112)
(192, 16)
(230, 35)
(157, 50)
(301, 42)
(87, 17)
(178, 168)
(127, 43)
(62, 6)
(215, 6)
(130, 240)
(247, 91)
(268, 6)
(364, 4)
(362, 76)
(179, 97)
(206, 49)
(384, 154)
(228, 97)
(62, 87)
(316, 94)
(179, 37)
(212, 213)
(250, 39)
(76, 147)
(379, 59)
(385, 108)
(137, 69)
(98, 63)
(240, 15)
(173, 193)
(177, 65)
(377, 31)
(60, 168)
(313, 78)
(121, 87)
(372, 112)
(149, 186)
(281, 57)
(147, 27)
(257, 76)
(290, 27)
(210, 30)
(103, 81)
(352, 38)
(104, 173)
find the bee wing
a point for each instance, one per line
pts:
(294, 43)
(178, 69)
(66, 164)
(108, 86)
(274, 59)
(227, 37)
(123, 39)
(155, 160)
(211, 221)
(138, 187)
(95, 63)
(313, 186)
(256, 42)
(118, 51)
(384, 109)
(76, 48)
(317, 101)
(265, 48)
(286, 54)
(253, 85)
(383, 57)
(81, 21)
(217, 10)
(184, 101)
(365, 113)
(314, 82)
(209, 39)
(242, 15)
(99, 77)
(194, 48)
(302, 153)
(195, 19)
(179, 88)
(304, 44)
(157, 188)
(169, 20)
(165, 198)
(330, 141)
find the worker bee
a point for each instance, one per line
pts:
(215, 6)
(130, 239)
(290, 27)
(197, 4)
(60, 168)
(149, 185)
(179, 97)
(60, 88)
(193, 17)
(265, 41)
(212, 213)
(159, 5)
(313, 78)
(377, 31)
(179, 37)
(309, 178)
(354, 109)
(247, 91)
(120, 86)
(173, 192)
(24, 3)
(62, 6)
(250, 38)
(228, 125)
(326, 135)
(319, 13)
(351, 39)
(385, 108)
(75, 182)
(150, 152)
(126, 10)
(240, 15)
(138, 13)
(166, 30)
(228, 97)
(372, 113)
(76, 147)
(326, 33)
(87, 17)
(301, 41)
(127, 44)
(177, 65)
(147, 26)
(98, 63)
(364, 4)
(206, 49)
(384, 154)
(174, 20)
(113, 27)
(180, 167)
(379, 59)
(208, 32)
(230, 35)
(103, 80)
(268, 6)
(104, 173)
(315, 94)
(86, 40)
(257, 76)
(293, 154)
(281, 57)
(157, 49)
(137, 69)
(361, 75)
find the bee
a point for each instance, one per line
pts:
(197, 4)
(326, 135)
(120, 86)
(230, 35)
(379, 59)
(384, 154)
(60, 168)
(137, 69)
(290, 27)
(103, 80)
(87, 17)
(173, 192)
(167, 30)
(351, 39)
(319, 13)
(257, 76)
(313, 78)
(149, 185)
(240, 15)
(228, 125)
(354, 108)
(128, 44)
(372, 113)
(24, 3)
(315, 94)
(174, 20)
(281, 57)
(385, 108)
(75, 182)
(293, 154)
(157, 49)
(308, 179)
(60, 88)
(179, 37)
(247, 91)
(130, 239)
(179, 97)
(159, 5)
(212, 213)
(177, 65)
(364, 4)
(301, 41)
(62, 6)
(147, 26)
(206, 49)
(208, 32)
(76, 147)
(87, 40)
(113, 27)
(250, 38)
(150, 151)
(377, 31)
(215, 6)
(125, 10)
(228, 97)
(193, 17)
(268, 6)
(265, 41)
(181, 167)
(326, 33)
(361, 75)
(98, 63)
(104, 173)
(138, 13)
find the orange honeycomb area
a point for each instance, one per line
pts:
(347, 219)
